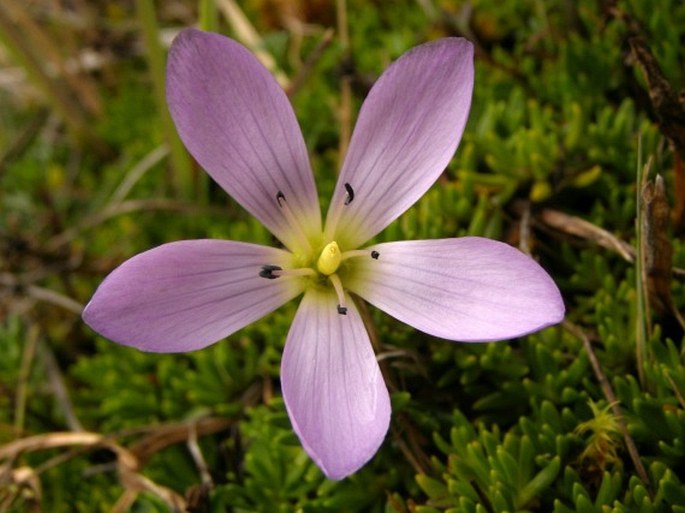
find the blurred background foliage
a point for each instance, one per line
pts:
(573, 153)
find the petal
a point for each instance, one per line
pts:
(332, 386)
(186, 295)
(469, 289)
(407, 131)
(238, 124)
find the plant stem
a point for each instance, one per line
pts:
(208, 16)
(182, 179)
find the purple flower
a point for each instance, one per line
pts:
(237, 122)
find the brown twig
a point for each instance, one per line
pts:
(41, 293)
(74, 97)
(408, 442)
(669, 110)
(248, 35)
(524, 230)
(310, 62)
(610, 396)
(13, 449)
(656, 250)
(136, 173)
(198, 458)
(27, 486)
(124, 207)
(23, 140)
(24, 376)
(127, 465)
(161, 437)
(129, 460)
(578, 227)
(57, 386)
(50, 47)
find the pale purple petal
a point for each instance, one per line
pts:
(407, 131)
(186, 295)
(332, 385)
(237, 122)
(469, 289)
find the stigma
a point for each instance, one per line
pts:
(330, 259)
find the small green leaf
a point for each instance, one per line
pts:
(432, 487)
(539, 483)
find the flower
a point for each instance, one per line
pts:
(238, 124)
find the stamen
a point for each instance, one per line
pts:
(302, 271)
(335, 211)
(292, 221)
(268, 272)
(350, 193)
(337, 286)
(360, 253)
(271, 272)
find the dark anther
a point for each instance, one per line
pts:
(350, 193)
(342, 310)
(375, 254)
(280, 196)
(268, 272)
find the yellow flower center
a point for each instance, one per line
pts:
(330, 259)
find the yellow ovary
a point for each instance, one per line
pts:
(330, 259)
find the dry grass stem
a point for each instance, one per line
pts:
(610, 396)
(248, 35)
(129, 460)
(302, 74)
(573, 225)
